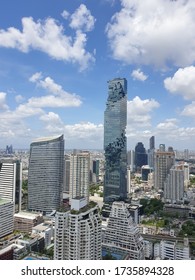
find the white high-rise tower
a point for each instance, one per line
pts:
(79, 174)
(78, 232)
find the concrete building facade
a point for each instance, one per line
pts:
(78, 232)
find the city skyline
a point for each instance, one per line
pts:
(49, 89)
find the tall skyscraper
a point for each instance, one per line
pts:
(79, 174)
(115, 143)
(163, 161)
(46, 171)
(140, 156)
(67, 174)
(78, 232)
(152, 143)
(11, 181)
(151, 152)
(122, 234)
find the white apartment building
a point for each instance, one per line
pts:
(172, 250)
(174, 185)
(11, 181)
(122, 234)
(79, 174)
(148, 249)
(78, 232)
(6, 217)
(45, 230)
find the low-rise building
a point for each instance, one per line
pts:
(25, 221)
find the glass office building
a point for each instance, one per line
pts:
(115, 143)
(46, 169)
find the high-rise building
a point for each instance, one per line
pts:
(46, 174)
(95, 170)
(151, 152)
(115, 143)
(140, 156)
(67, 174)
(186, 154)
(11, 181)
(78, 232)
(152, 143)
(163, 161)
(145, 171)
(6, 217)
(122, 234)
(9, 150)
(128, 180)
(79, 174)
(186, 169)
(174, 185)
(131, 160)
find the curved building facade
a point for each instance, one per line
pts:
(46, 176)
(115, 143)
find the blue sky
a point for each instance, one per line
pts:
(56, 57)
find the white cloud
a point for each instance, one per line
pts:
(41, 36)
(189, 110)
(169, 130)
(51, 117)
(82, 19)
(78, 135)
(153, 32)
(35, 77)
(138, 75)
(62, 98)
(183, 83)
(139, 111)
(3, 105)
(19, 98)
(65, 14)
(168, 125)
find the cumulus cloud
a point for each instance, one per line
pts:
(183, 83)
(62, 98)
(138, 75)
(65, 14)
(3, 105)
(42, 34)
(189, 110)
(139, 111)
(149, 32)
(83, 134)
(51, 117)
(35, 77)
(168, 125)
(170, 130)
(82, 19)
(19, 98)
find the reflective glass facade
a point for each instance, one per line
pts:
(115, 143)
(45, 177)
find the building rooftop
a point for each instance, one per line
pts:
(45, 139)
(27, 215)
(41, 227)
